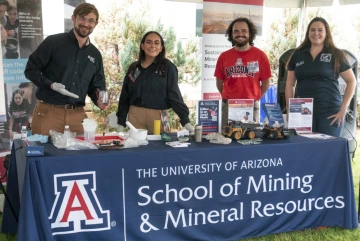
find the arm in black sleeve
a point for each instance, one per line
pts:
(38, 60)
(97, 81)
(174, 94)
(123, 106)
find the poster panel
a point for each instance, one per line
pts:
(22, 22)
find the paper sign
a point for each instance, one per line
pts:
(208, 112)
(301, 114)
(241, 110)
(274, 114)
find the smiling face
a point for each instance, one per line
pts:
(317, 33)
(18, 98)
(84, 25)
(240, 34)
(12, 14)
(152, 46)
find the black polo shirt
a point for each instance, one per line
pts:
(317, 79)
(149, 89)
(59, 59)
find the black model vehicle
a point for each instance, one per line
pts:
(238, 130)
(277, 132)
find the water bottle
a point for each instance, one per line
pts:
(67, 131)
(29, 130)
(23, 132)
(198, 133)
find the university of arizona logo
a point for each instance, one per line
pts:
(76, 207)
(92, 59)
(239, 61)
(238, 71)
(325, 57)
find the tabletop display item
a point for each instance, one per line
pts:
(115, 144)
(277, 132)
(106, 142)
(239, 130)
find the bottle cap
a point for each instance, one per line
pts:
(66, 126)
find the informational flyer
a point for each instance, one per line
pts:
(301, 114)
(317, 136)
(208, 112)
(274, 114)
(241, 110)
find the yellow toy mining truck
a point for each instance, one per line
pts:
(239, 130)
(277, 132)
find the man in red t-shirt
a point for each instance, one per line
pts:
(242, 72)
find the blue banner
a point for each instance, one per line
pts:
(203, 192)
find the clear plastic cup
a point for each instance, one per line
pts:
(89, 135)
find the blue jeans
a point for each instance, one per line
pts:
(322, 125)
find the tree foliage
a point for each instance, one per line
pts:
(283, 34)
(281, 37)
(118, 36)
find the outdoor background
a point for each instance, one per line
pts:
(123, 22)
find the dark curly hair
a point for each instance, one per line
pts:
(252, 30)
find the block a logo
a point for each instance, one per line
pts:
(76, 207)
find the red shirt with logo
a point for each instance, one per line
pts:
(242, 73)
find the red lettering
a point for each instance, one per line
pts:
(75, 192)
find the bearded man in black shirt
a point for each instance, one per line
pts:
(66, 67)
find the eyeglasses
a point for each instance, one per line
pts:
(91, 21)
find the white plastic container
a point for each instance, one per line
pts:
(23, 132)
(140, 135)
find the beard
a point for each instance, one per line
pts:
(82, 32)
(241, 43)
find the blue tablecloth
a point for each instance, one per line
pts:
(203, 192)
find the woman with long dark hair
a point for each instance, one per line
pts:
(151, 87)
(18, 112)
(28, 90)
(314, 69)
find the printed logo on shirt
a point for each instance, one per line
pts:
(76, 207)
(92, 59)
(239, 70)
(19, 114)
(325, 57)
(239, 61)
(299, 64)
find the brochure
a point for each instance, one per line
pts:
(274, 114)
(301, 114)
(317, 136)
(241, 110)
(208, 112)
